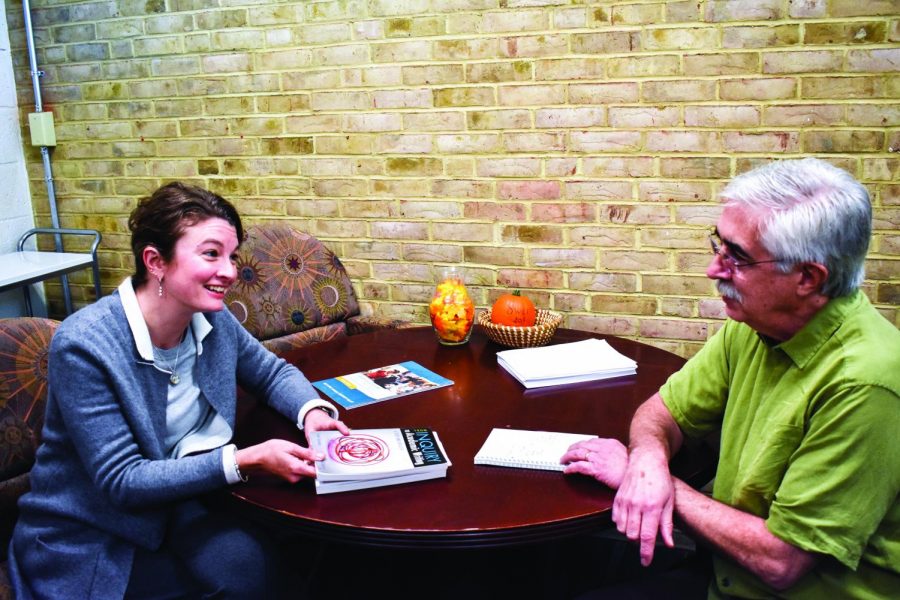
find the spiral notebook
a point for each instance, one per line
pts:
(524, 449)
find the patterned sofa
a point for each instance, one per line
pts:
(24, 345)
(292, 291)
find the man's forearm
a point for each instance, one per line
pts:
(742, 537)
(653, 430)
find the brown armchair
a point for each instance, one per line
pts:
(24, 345)
(292, 291)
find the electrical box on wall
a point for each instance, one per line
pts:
(42, 131)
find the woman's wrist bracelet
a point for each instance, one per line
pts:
(237, 470)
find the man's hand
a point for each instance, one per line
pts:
(645, 502)
(603, 459)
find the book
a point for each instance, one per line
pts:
(384, 383)
(333, 487)
(587, 360)
(377, 457)
(525, 449)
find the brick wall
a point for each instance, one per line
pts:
(573, 149)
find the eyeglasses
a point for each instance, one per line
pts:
(720, 249)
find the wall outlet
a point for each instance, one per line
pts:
(42, 131)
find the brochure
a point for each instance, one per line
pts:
(383, 383)
(377, 457)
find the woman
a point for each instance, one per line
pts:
(140, 411)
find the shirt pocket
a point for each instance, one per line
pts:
(761, 473)
(59, 571)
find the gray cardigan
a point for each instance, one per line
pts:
(101, 484)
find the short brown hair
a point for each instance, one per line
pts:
(160, 220)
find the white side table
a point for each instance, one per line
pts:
(24, 267)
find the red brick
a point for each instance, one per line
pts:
(619, 326)
(673, 329)
(495, 211)
(529, 190)
(603, 282)
(531, 234)
(530, 278)
(564, 213)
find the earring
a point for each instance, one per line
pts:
(160, 280)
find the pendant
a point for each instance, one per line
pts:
(173, 378)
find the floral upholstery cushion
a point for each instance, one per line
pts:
(10, 492)
(360, 324)
(5, 587)
(288, 282)
(282, 344)
(24, 346)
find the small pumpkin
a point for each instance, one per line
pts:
(513, 309)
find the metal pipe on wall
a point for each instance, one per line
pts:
(36, 75)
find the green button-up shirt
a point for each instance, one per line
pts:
(809, 442)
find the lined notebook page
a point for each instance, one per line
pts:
(527, 449)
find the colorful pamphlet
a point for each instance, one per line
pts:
(383, 383)
(377, 457)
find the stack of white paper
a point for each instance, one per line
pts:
(586, 360)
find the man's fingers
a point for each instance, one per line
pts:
(666, 524)
(571, 456)
(633, 525)
(649, 527)
(619, 514)
(580, 468)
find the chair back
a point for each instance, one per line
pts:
(288, 282)
(24, 347)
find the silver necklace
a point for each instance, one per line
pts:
(173, 375)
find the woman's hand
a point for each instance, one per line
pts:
(319, 420)
(284, 459)
(281, 458)
(603, 459)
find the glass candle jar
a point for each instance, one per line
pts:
(452, 311)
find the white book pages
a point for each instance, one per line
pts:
(539, 383)
(587, 357)
(527, 449)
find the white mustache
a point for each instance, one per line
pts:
(728, 290)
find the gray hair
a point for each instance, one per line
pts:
(816, 212)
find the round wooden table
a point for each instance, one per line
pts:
(475, 506)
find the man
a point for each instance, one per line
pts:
(804, 382)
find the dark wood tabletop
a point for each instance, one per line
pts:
(475, 506)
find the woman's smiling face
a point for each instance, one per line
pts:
(202, 268)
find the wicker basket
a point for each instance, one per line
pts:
(538, 334)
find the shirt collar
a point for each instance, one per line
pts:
(806, 342)
(199, 324)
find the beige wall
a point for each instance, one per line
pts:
(16, 214)
(572, 149)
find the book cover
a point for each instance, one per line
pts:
(384, 383)
(374, 454)
(527, 449)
